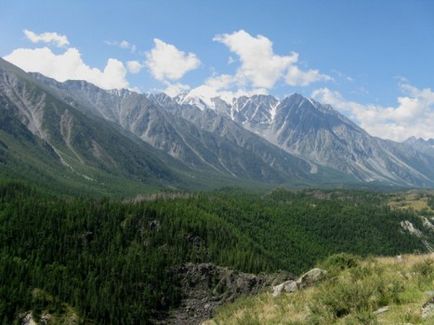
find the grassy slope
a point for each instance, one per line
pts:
(349, 296)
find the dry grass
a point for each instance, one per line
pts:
(406, 260)
(412, 200)
(350, 296)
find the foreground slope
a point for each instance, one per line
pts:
(393, 290)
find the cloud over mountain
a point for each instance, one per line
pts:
(261, 67)
(168, 63)
(47, 37)
(412, 116)
(69, 65)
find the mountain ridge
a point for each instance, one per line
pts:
(181, 132)
(294, 141)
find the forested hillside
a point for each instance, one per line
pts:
(111, 261)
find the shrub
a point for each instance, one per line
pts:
(339, 262)
(424, 268)
(358, 291)
(425, 272)
(341, 298)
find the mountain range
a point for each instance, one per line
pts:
(119, 141)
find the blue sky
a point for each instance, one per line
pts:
(365, 54)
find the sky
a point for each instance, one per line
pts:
(372, 60)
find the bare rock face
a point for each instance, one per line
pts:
(408, 226)
(206, 286)
(306, 280)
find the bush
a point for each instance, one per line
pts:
(342, 298)
(425, 273)
(366, 318)
(358, 291)
(424, 268)
(339, 262)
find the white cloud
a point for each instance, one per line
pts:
(176, 89)
(123, 45)
(69, 65)
(297, 77)
(223, 86)
(166, 62)
(48, 37)
(412, 116)
(261, 67)
(134, 66)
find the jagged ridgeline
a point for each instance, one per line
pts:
(79, 138)
(109, 261)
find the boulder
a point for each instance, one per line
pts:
(311, 277)
(306, 280)
(287, 286)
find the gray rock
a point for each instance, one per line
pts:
(428, 309)
(381, 310)
(287, 286)
(306, 280)
(311, 277)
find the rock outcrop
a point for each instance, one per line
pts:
(408, 226)
(306, 280)
(311, 277)
(206, 286)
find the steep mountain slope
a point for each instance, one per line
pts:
(234, 132)
(85, 148)
(320, 134)
(202, 139)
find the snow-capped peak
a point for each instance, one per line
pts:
(200, 101)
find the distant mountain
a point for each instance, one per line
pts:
(426, 146)
(101, 137)
(319, 134)
(199, 137)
